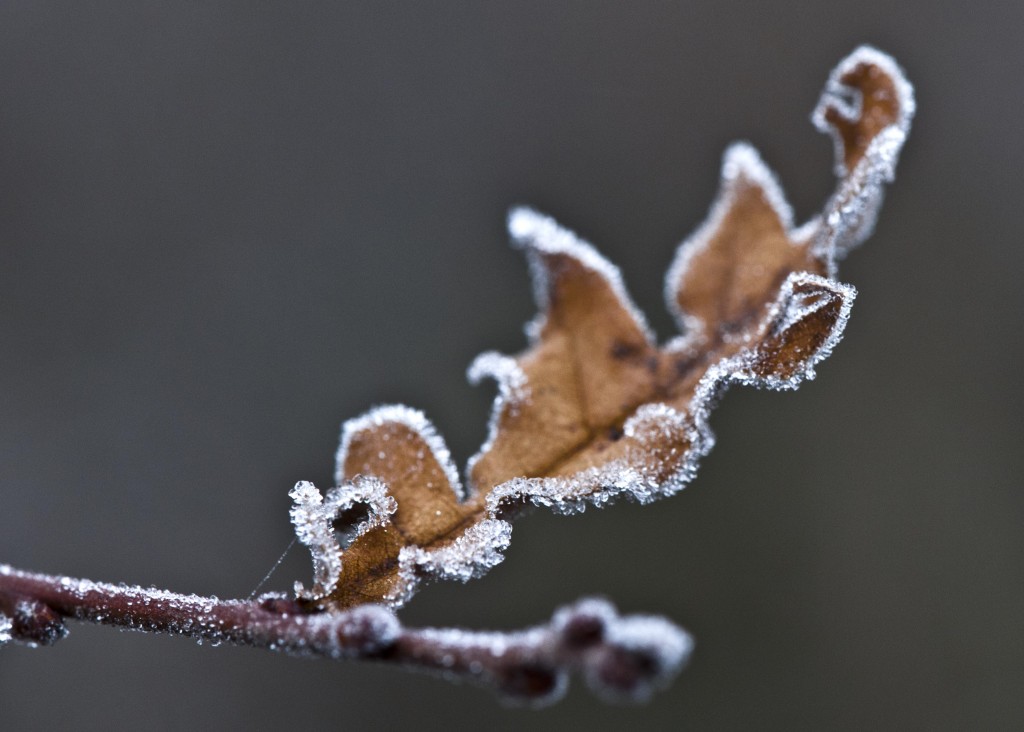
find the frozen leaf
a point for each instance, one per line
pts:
(595, 408)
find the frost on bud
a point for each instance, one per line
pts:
(585, 623)
(368, 629)
(640, 655)
(624, 658)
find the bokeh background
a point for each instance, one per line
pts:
(225, 227)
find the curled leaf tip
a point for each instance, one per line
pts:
(866, 94)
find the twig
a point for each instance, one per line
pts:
(621, 657)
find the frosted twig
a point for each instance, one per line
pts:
(621, 657)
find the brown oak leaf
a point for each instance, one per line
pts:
(595, 408)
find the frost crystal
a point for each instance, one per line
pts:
(5, 628)
(313, 517)
(469, 556)
(478, 549)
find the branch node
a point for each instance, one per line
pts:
(30, 621)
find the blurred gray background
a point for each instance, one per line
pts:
(226, 227)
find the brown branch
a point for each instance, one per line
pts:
(623, 658)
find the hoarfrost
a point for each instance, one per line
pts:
(313, 528)
(6, 625)
(127, 606)
(742, 167)
(789, 309)
(478, 549)
(637, 476)
(313, 517)
(542, 236)
(597, 485)
(513, 385)
(505, 370)
(470, 555)
(351, 634)
(658, 423)
(851, 213)
(416, 421)
(513, 393)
